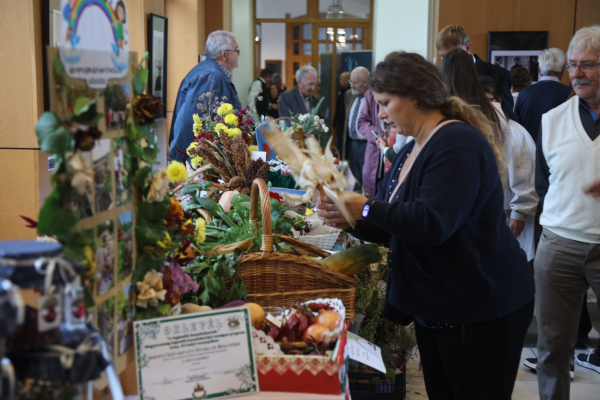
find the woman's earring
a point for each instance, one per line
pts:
(416, 105)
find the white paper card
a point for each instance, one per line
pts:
(358, 349)
(255, 155)
(203, 355)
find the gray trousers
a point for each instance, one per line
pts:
(564, 269)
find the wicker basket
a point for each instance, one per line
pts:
(274, 279)
(324, 242)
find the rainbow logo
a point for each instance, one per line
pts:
(77, 9)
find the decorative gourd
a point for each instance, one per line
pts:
(225, 200)
(349, 262)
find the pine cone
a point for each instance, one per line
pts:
(257, 169)
(85, 136)
(147, 108)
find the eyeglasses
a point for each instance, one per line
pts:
(236, 50)
(355, 82)
(585, 67)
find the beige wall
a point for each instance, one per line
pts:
(21, 102)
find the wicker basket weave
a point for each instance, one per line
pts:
(274, 279)
(324, 242)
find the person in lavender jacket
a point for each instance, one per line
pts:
(373, 167)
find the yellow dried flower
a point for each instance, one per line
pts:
(252, 148)
(233, 132)
(232, 119)
(220, 127)
(175, 207)
(197, 120)
(200, 230)
(197, 161)
(90, 261)
(177, 172)
(190, 147)
(159, 186)
(197, 129)
(225, 109)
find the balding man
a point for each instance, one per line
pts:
(300, 99)
(536, 100)
(355, 144)
(211, 75)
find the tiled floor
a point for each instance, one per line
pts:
(586, 385)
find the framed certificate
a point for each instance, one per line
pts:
(207, 355)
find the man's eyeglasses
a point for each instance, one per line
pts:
(236, 50)
(585, 67)
(355, 82)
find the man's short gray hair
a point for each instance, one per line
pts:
(218, 42)
(276, 78)
(585, 39)
(552, 60)
(301, 73)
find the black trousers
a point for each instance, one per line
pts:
(476, 361)
(355, 153)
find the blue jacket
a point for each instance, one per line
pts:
(536, 100)
(452, 255)
(205, 77)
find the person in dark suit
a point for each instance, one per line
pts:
(300, 99)
(340, 110)
(258, 94)
(455, 36)
(548, 93)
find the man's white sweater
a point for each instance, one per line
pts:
(574, 163)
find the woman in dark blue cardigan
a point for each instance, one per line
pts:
(455, 267)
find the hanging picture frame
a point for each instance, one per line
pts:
(157, 63)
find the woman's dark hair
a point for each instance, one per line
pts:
(490, 87)
(521, 78)
(410, 75)
(459, 69)
(122, 4)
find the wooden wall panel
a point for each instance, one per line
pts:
(214, 9)
(19, 194)
(482, 16)
(587, 13)
(18, 86)
(479, 17)
(186, 41)
(555, 16)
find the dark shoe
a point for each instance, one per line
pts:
(582, 342)
(530, 363)
(590, 360)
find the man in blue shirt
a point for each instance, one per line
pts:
(211, 75)
(548, 93)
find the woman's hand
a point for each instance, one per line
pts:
(332, 216)
(516, 227)
(381, 144)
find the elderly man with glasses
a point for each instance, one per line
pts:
(568, 257)
(211, 75)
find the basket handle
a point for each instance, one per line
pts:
(259, 187)
(339, 155)
(287, 119)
